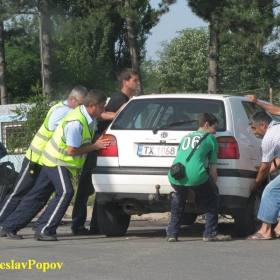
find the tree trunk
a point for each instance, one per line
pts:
(213, 78)
(131, 33)
(45, 46)
(4, 93)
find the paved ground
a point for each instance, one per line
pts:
(142, 253)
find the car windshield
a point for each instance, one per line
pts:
(162, 113)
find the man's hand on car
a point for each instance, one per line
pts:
(253, 187)
(252, 98)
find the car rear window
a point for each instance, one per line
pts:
(149, 114)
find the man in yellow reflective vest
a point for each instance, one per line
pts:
(32, 162)
(64, 154)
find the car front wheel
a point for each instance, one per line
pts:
(112, 220)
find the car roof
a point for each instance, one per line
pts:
(191, 95)
(195, 95)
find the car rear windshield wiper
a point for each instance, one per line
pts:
(155, 130)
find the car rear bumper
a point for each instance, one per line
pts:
(141, 203)
(99, 170)
(151, 185)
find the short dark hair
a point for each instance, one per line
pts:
(95, 96)
(260, 116)
(126, 74)
(206, 117)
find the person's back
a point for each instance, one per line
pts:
(197, 147)
(117, 99)
(196, 173)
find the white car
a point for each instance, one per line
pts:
(131, 174)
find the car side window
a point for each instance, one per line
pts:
(250, 108)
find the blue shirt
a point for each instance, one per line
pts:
(73, 130)
(57, 115)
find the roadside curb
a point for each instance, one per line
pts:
(144, 217)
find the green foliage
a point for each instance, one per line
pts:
(22, 57)
(183, 62)
(183, 65)
(33, 113)
(244, 28)
(89, 42)
(205, 8)
(244, 69)
(246, 45)
(150, 80)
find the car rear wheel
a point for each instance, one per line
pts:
(112, 220)
(245, 220)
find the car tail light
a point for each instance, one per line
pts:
(111, 150)
(228, 148)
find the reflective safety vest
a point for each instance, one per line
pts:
(43, 135)
(55, 153)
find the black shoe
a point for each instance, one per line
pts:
(44, 237)
(94, 230)
(85, 231)
(11, 234)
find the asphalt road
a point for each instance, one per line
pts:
(142, 253)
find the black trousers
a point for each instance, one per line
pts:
(84, 191)
(208, 194)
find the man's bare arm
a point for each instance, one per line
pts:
(107, 116)
(262, 174)
(274, 110)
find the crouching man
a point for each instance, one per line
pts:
(194, 149)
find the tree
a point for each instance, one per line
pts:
(89, 41)
(22, 58)
(44, 9)
(4, 93)
(45, 27)
(3, 86)
(132, 18)
(95, 34)
(251, 23)
(210, 11)
(150, 80)
(182, 65)
(131, 35)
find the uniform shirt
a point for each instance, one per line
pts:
(57, 115)
(271, 142)
(116, 101)
(73, 130)
(196, 173)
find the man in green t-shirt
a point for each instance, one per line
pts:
(197, 180)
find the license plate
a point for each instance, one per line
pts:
(157, 150)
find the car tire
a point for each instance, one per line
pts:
(189, 219)
(245, 220)
(112, 221)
